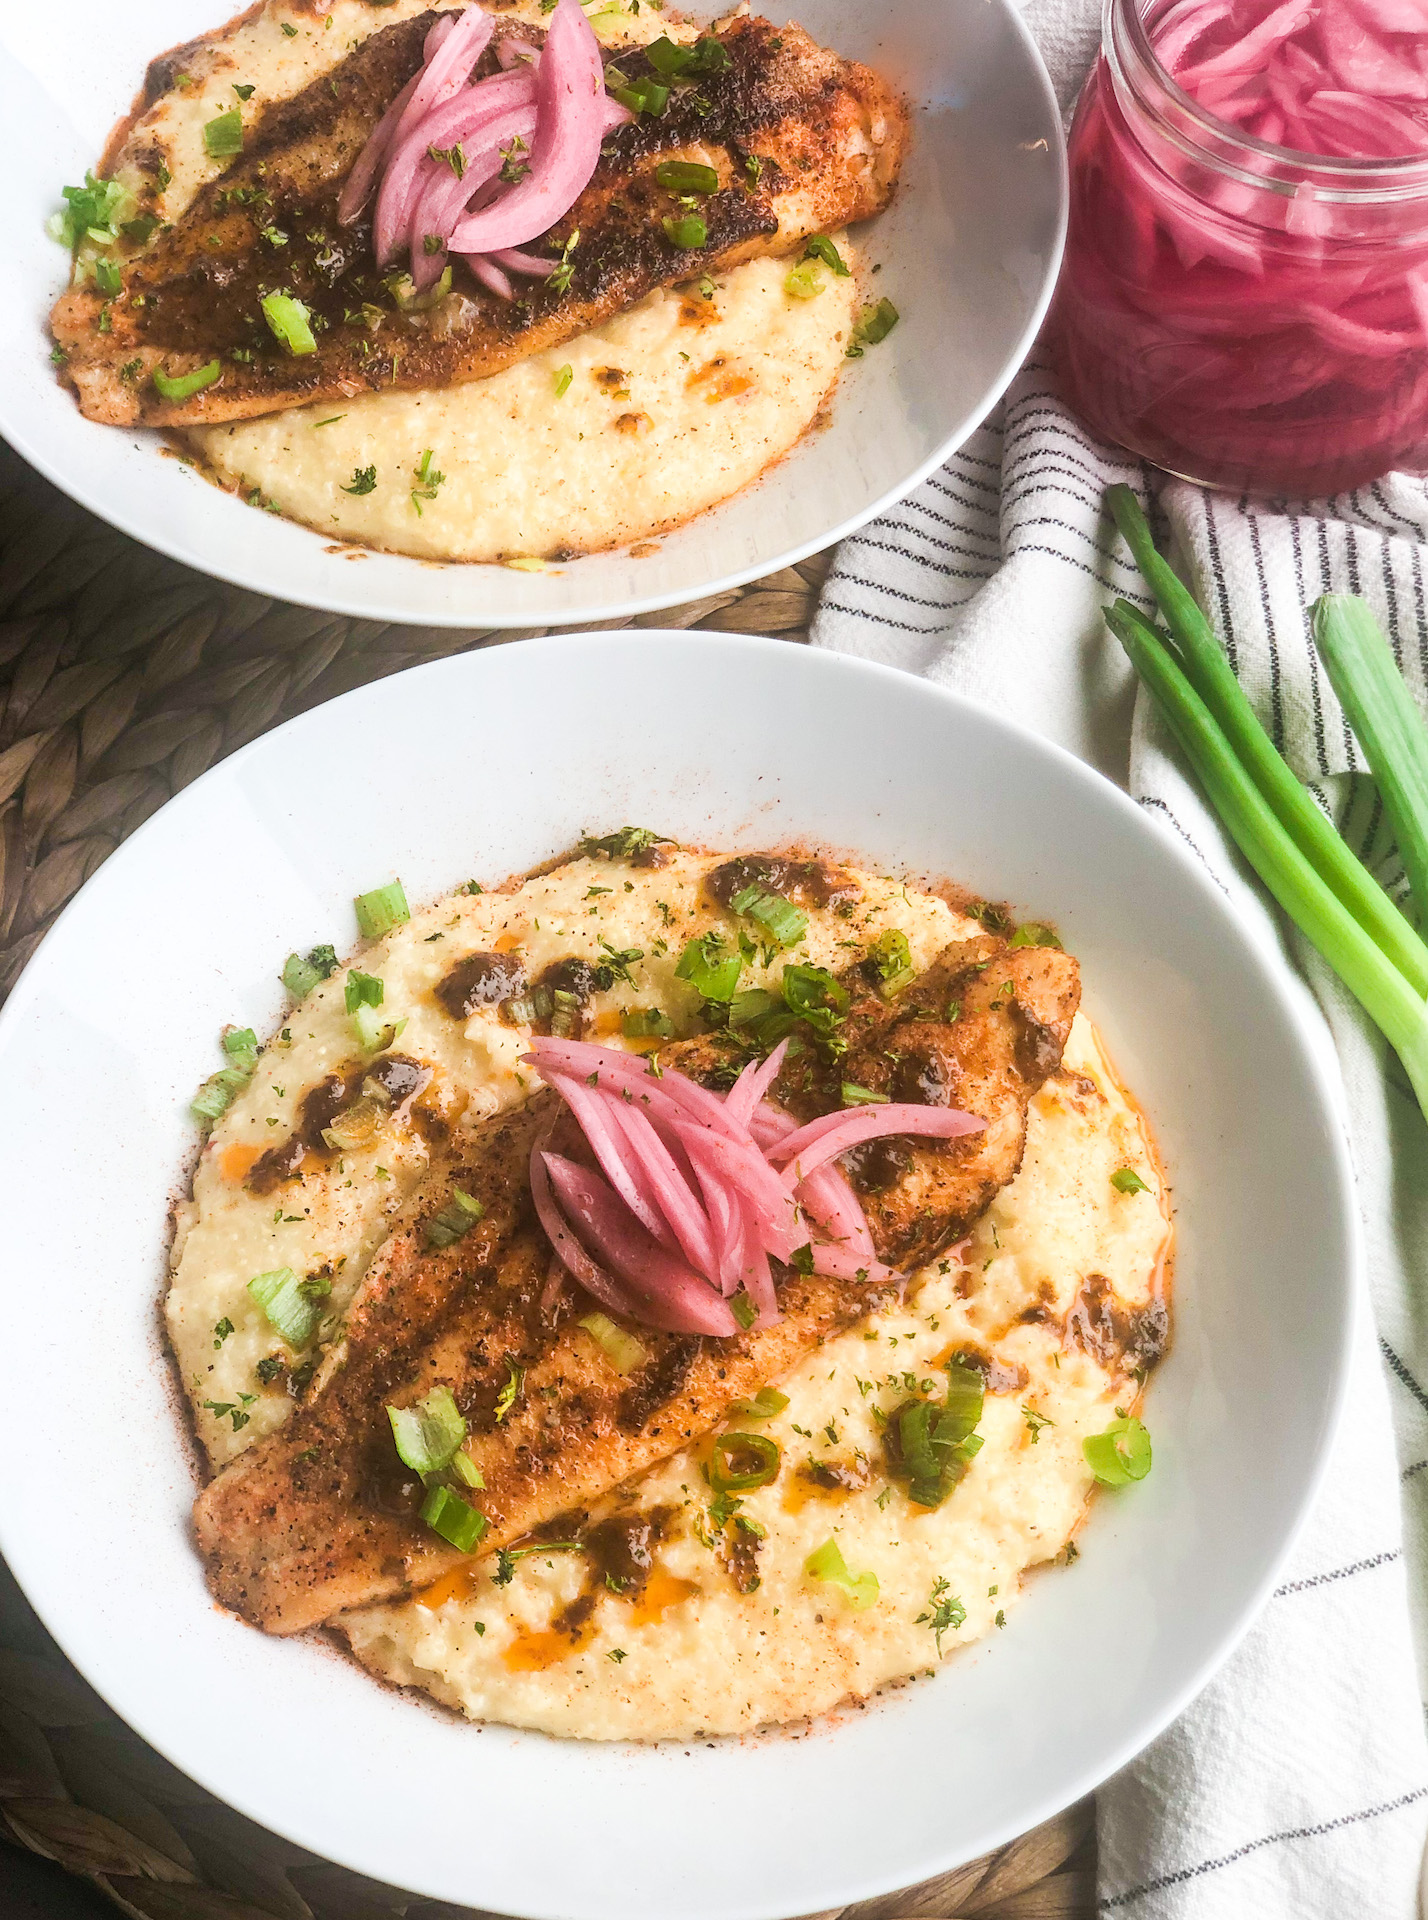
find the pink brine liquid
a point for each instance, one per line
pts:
(1245, 315)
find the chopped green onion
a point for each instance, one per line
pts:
(807, 989)
(241, 1046)
(467, 1471)
(743, 1310)
(687, 176)
(292, 1313)
(780, 918)
(563, 377)
(300, 976)
(428, 1433)
(765, 1404)
(1127, 1180)
(374, 1034)
(184, 385)
(1382, 713)
(455, 1220)
(803, 282)
(218, 1093)
(362, 990)
(707, 55)
(1298, 883)
(402, 288)
(624, 1352)
(108, 278)
(1120, 1454)
(814, 996)
(290, 322)
(507, 1397)
(856, 1096)
(753, 1006)
(356, 1127)
(93, 211)
(1031, 933)
(381, 910)
(820, 247)
(458, 1523)
(709, 970)
(726, 1477)
(688, 231)
(892, 957)
(935, 1445)
(873, 324)
(966, 1394)
(1212, 678)
(223, 137)
(827, 1563)
(642, 95)
(644, 1023)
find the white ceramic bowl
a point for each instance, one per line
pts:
(485, 764)
(969, 248)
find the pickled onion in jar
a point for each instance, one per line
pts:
(1245, 294)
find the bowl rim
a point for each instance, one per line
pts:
(1303, 1028)
(114, 511)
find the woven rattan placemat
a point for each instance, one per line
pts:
(122, 677)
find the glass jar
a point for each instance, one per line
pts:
(1237, 312)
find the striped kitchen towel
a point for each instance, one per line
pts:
(1297, 1784)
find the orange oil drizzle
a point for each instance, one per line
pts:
(534, 1652)
(238, 1161)
(459, 1584)
(660, 1592)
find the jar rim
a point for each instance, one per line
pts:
(1203, 136)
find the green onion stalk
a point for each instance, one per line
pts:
(1202, 662)
(1371, 691)
(1313, 875)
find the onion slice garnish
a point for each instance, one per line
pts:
(696, 1192)
(484, 166)
(672, 1295)
(570, 95)
(823, 1140)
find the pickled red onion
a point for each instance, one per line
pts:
(695, 1192)
(529, 264)
(552, 100)
(513, 53)
(1271, 337)
(363, 176)
(570, 95)
(834, 1133)
(477, 111)
(671, 1294)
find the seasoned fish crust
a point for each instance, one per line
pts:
(321, 1516)
(803, 142)
(317, 1518)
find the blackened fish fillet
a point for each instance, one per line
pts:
(803, 142)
